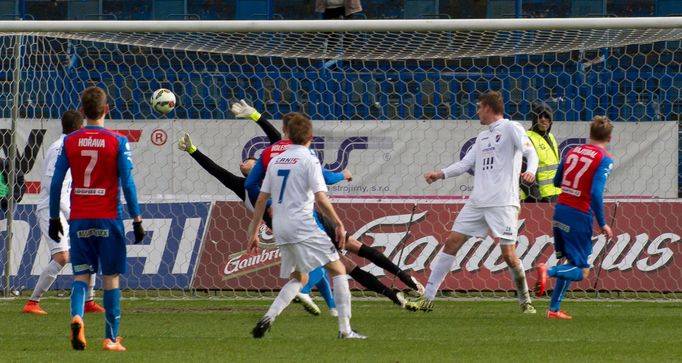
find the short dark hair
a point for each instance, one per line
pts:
(93, 102)
(600, 128)
(300, 129)
(72, 120)
(492, 99)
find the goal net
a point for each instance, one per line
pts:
(389, 100)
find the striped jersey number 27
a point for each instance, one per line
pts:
(574, 161)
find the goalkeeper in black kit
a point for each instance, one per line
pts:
(237, 185)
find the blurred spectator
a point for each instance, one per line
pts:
(632, 8)
(128, 10)
(212, 9)
(337, 9)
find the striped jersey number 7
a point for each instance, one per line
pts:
(92, 154)
(284, 173)
(573, 160)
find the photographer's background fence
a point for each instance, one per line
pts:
(389, 99)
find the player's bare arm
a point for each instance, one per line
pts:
(252, 233)
(606, 229)
(455, 169)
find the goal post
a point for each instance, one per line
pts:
(390, 100)
(406, 39)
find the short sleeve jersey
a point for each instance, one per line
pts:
(98, 157)
(584, 171)
(292, 179)
(498, 151)
(48, 170)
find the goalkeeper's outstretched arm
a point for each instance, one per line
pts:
(242, 109)
(270, 130)
(231, 181)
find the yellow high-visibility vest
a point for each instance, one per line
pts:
(548, 162)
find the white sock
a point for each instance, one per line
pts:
(46, 279)
(519, 276)
(440, 267)
(91, 291)
(342, 299)
(284, 298)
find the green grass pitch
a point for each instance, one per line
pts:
(217, 330)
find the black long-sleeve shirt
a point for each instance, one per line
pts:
(235, 182)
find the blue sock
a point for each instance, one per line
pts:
(558, 294)
(112, 305)
(566, 272)
(78, 291)
(325, 289)
(314, 277)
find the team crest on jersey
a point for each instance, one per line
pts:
(497, 138)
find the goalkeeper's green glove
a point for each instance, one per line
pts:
(242, 109)
(185, 144)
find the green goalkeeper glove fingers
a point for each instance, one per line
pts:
(185, 144)
(242, 109)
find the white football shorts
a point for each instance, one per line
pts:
(501, 221)
(307, 255)
(44, 222)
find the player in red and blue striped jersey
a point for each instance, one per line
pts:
(582, 176)
(101, 166)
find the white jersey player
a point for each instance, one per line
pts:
(494, 202)
(496, 160)
(71, 121)
(294, 182)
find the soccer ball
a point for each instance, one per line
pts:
(163, 101)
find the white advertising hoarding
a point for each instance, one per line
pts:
(387, 158)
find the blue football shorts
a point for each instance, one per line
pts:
(97, 243)
(573, 234)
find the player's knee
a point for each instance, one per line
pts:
(511, 260)
(336, 268)
(83, 278)
(509, 253)
(62, 258)
(300, 277)
(348, 264)
(109, 282)
(353, 245)
(453, 243)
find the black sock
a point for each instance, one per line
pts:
(370, 281)
(382, 261)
